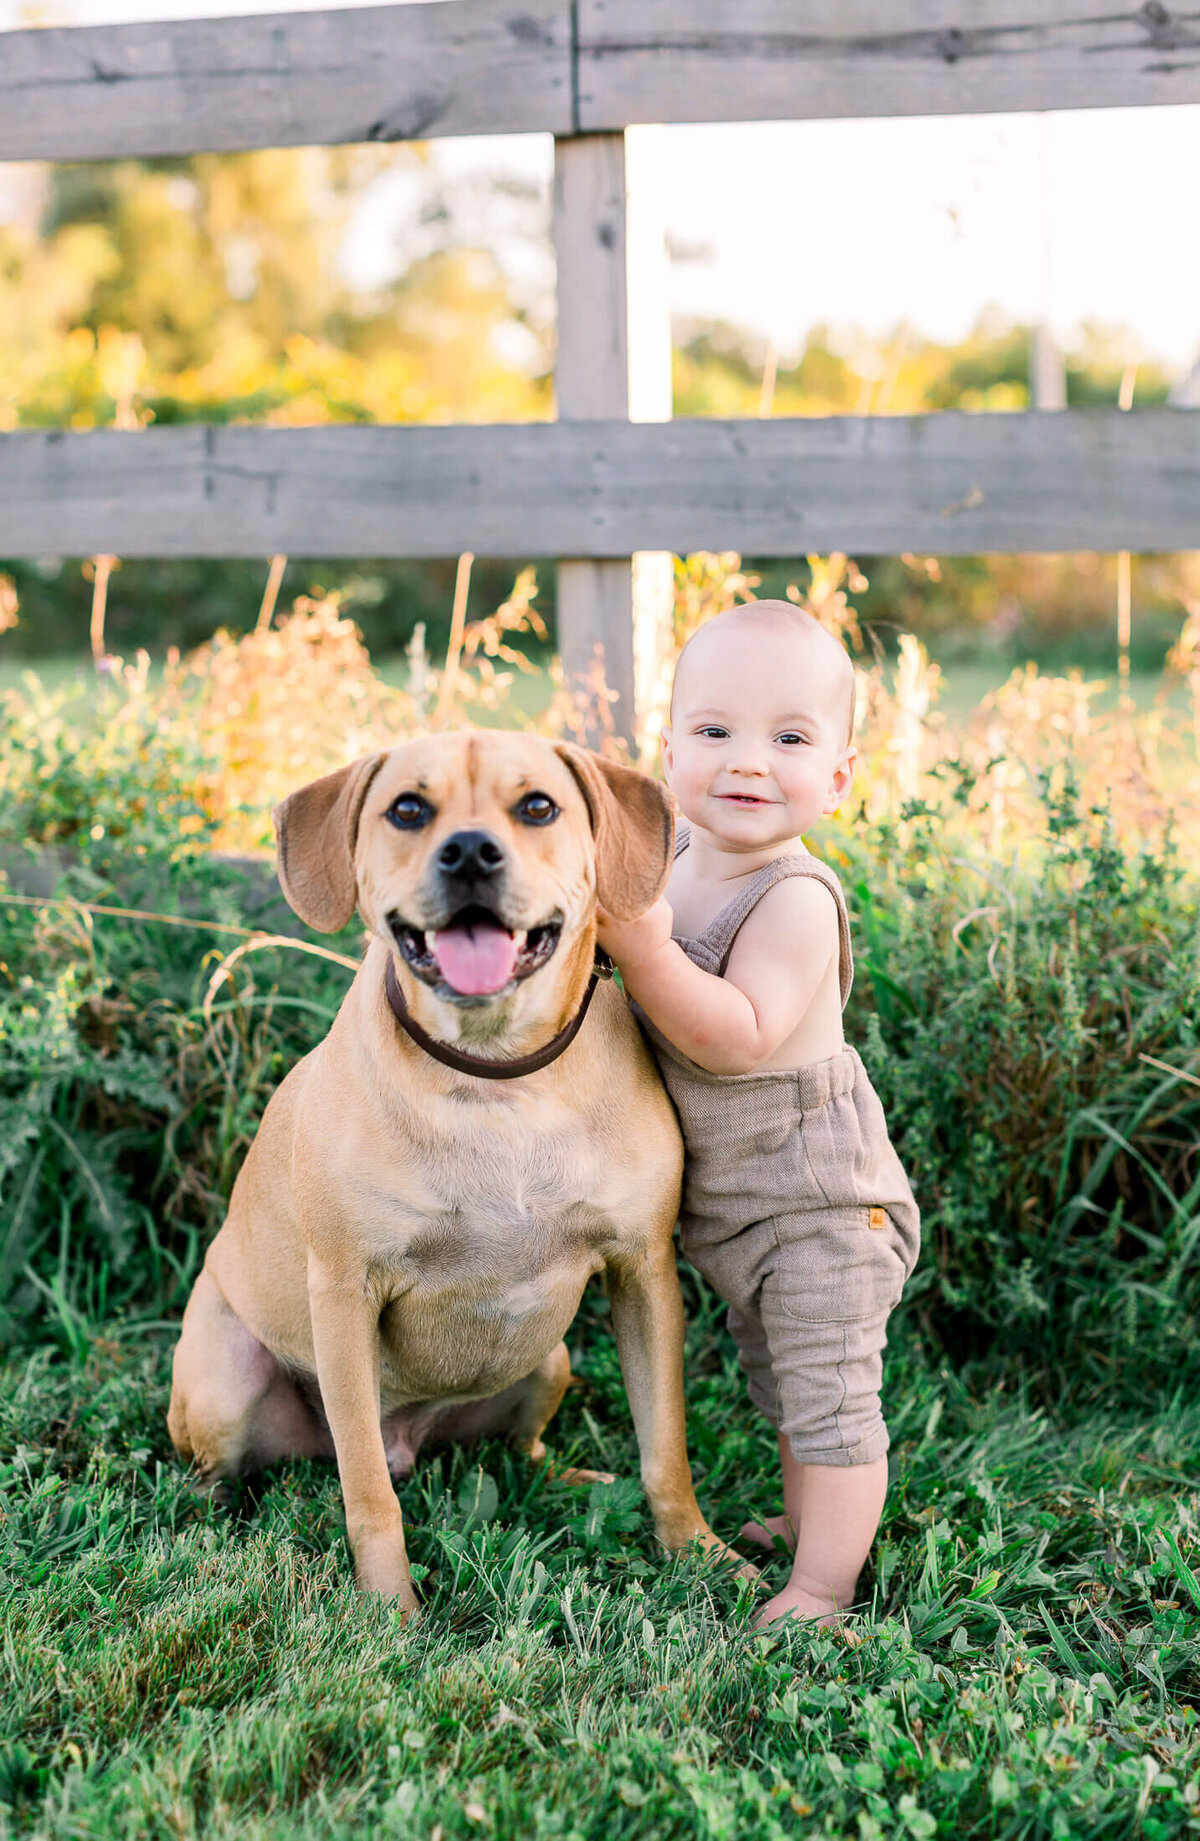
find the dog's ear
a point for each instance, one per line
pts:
(633, 823)
(316, 830)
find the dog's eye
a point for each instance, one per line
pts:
(537, 809)
(409, 812)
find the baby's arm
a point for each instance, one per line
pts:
(731, 1025)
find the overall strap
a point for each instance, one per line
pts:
(711, 949)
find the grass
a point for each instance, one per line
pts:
(1028, 1666)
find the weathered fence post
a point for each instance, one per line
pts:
(651, 399)
(1047, 372)
(599, 378)
(595, 598)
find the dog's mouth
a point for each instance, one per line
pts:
(474, 956)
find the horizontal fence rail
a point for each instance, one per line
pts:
(387, 73)
(950, 484)
(764, 60)
(495, 66)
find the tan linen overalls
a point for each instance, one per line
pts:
(796, 1210)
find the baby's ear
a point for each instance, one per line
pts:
(316, 831)
(841, 781)
(633, 823)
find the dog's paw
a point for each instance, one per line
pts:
(402, 1600)
(570, 1473)
(381, 1570)
(709, 1548)
(719, 1553)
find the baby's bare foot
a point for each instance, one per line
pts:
(804, 1606)
(777, 1531)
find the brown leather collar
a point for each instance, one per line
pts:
(463, 1063)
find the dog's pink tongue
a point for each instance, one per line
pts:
(476, 960)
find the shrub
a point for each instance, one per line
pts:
(98, 770)
(1033, 1028)
(126, 1103)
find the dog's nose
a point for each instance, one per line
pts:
(470, 856)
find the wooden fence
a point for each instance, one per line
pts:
(595, 486)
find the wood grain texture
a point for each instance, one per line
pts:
(591, 367)
(510, 66)
(950, 484)
(387, 73)
(765, 60)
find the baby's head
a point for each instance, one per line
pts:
(761, 737)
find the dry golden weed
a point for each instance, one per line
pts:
(289, 701)
(276, 707)
(8, 603)
(285, 703)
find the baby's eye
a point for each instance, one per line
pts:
(791, 738)
(713, 732)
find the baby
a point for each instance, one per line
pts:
(795, 1206)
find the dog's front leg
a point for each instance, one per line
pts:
(345, 1325)
(647, 1312)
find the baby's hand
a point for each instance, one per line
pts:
(631, 941)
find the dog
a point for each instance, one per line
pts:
(480, 1132)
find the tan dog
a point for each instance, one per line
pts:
(407, 1244)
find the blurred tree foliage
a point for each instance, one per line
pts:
(225, 271)
(214, 289)
(719, 371)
